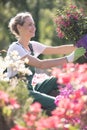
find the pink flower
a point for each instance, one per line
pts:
(30, 118)
(48, 123)
(71, 22)
(64, 79)
(17, 127)
(35, 107)
(4, 96)
(14, 103)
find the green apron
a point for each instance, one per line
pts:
(41, 92)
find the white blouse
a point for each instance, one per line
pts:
(38, 48)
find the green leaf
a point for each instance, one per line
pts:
(74, 127)
(79, 52)
(6, 111)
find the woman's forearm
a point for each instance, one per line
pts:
(47, 63)
(60, 50)
(52, 63)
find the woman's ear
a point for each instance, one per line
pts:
(18, 27)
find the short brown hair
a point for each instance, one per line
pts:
(18, 19)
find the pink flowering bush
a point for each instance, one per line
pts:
(17, 112)
(71, 110)
(8, 104)
(71, 23)
(72, 101)
(14, 101)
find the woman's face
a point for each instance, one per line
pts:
(28, 28)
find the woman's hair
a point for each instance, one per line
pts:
(18, 19)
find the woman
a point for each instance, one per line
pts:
(23, 27)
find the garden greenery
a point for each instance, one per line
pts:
(19, 113)
(71, 23)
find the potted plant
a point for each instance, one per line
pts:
(71, 24)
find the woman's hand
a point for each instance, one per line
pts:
(79, 52)
(76, 54)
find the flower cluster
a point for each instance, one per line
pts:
(73, 111)
(70, 113)
(13, 61)
(71, 23)
(5, 100)
(8, 105)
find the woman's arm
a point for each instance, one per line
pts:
(45, 64)
(63, 49)
(48, 63)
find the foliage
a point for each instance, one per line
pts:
(19, 113)
(67, 116)
(72, 101)
(8, 8)
(12, 7)
(14, 101)
(71, 23)
(13, 92)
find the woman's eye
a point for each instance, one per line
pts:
(31, 24)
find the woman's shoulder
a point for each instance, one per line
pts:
(37, 44)
(37, 47)
(13, 44)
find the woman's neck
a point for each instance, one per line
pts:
(24, 43)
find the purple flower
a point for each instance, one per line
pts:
(82, 43)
